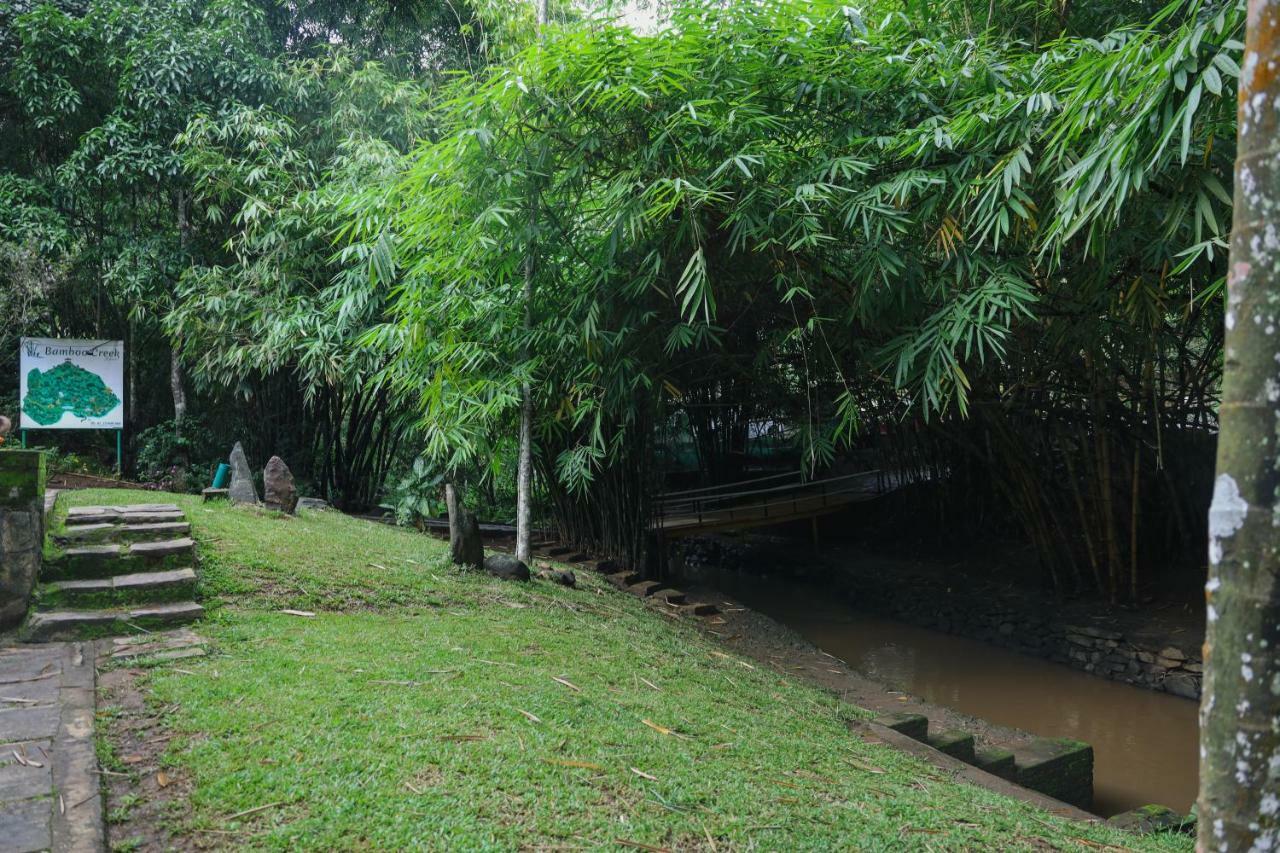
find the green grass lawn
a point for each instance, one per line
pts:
(424, 707)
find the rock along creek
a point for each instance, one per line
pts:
(1145, 743)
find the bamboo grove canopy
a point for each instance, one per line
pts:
(854, 208)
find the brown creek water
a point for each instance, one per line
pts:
(1144, 742)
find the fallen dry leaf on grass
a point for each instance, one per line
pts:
(741, 663)
(565, 762)
(575, 688)
(641, 846)
(657, 728)
(862, 765)
(307, 613)
(163, 779)
(463, 738)
(531, 717)
(255, 810)
(643, 775)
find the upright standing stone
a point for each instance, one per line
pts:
(242, 490)
(464, 532)
(278, 488)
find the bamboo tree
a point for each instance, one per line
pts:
(524, 463)
(1239, 803)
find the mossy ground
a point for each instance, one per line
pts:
(425, 707)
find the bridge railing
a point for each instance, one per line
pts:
(755, 503)
(708, 491)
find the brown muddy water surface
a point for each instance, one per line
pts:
(1144, 742)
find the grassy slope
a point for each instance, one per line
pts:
(399, 716)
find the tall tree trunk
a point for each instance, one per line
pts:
(175, 358)
(175, 385)
(1239, 804)
(524, 464)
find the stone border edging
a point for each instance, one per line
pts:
(78, 823)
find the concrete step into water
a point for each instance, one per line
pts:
(914, 726)
(670, 596)
(702, 609)
(955, 743)
(1057, 767)
(997, 762)
(644, 589)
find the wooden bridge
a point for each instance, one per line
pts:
(764, 501)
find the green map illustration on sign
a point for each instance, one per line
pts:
(66, 388)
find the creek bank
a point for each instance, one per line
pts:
(1158, 650)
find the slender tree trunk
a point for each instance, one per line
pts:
(175, 385)
(175, 358)
(524, 464)
(1239, 804)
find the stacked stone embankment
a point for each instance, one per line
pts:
(989, 611)
(1030, 626)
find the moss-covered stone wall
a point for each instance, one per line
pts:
(22, 485)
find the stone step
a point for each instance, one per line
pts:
(701, 609)
(119, 590)
(1059, 767)
(119, 515)
(95, 561)
(76, 511)
(45, 625)
(996, 761)
(644, 589)
(953, 742)
(623, 579)
(670, 596)
(107, 532)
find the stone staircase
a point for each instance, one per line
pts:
(115, 570)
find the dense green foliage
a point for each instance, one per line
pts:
(125, 125)
(981, 241)
(838, 218)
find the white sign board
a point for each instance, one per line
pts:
(71, 384)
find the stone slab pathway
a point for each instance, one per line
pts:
(49, 793)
